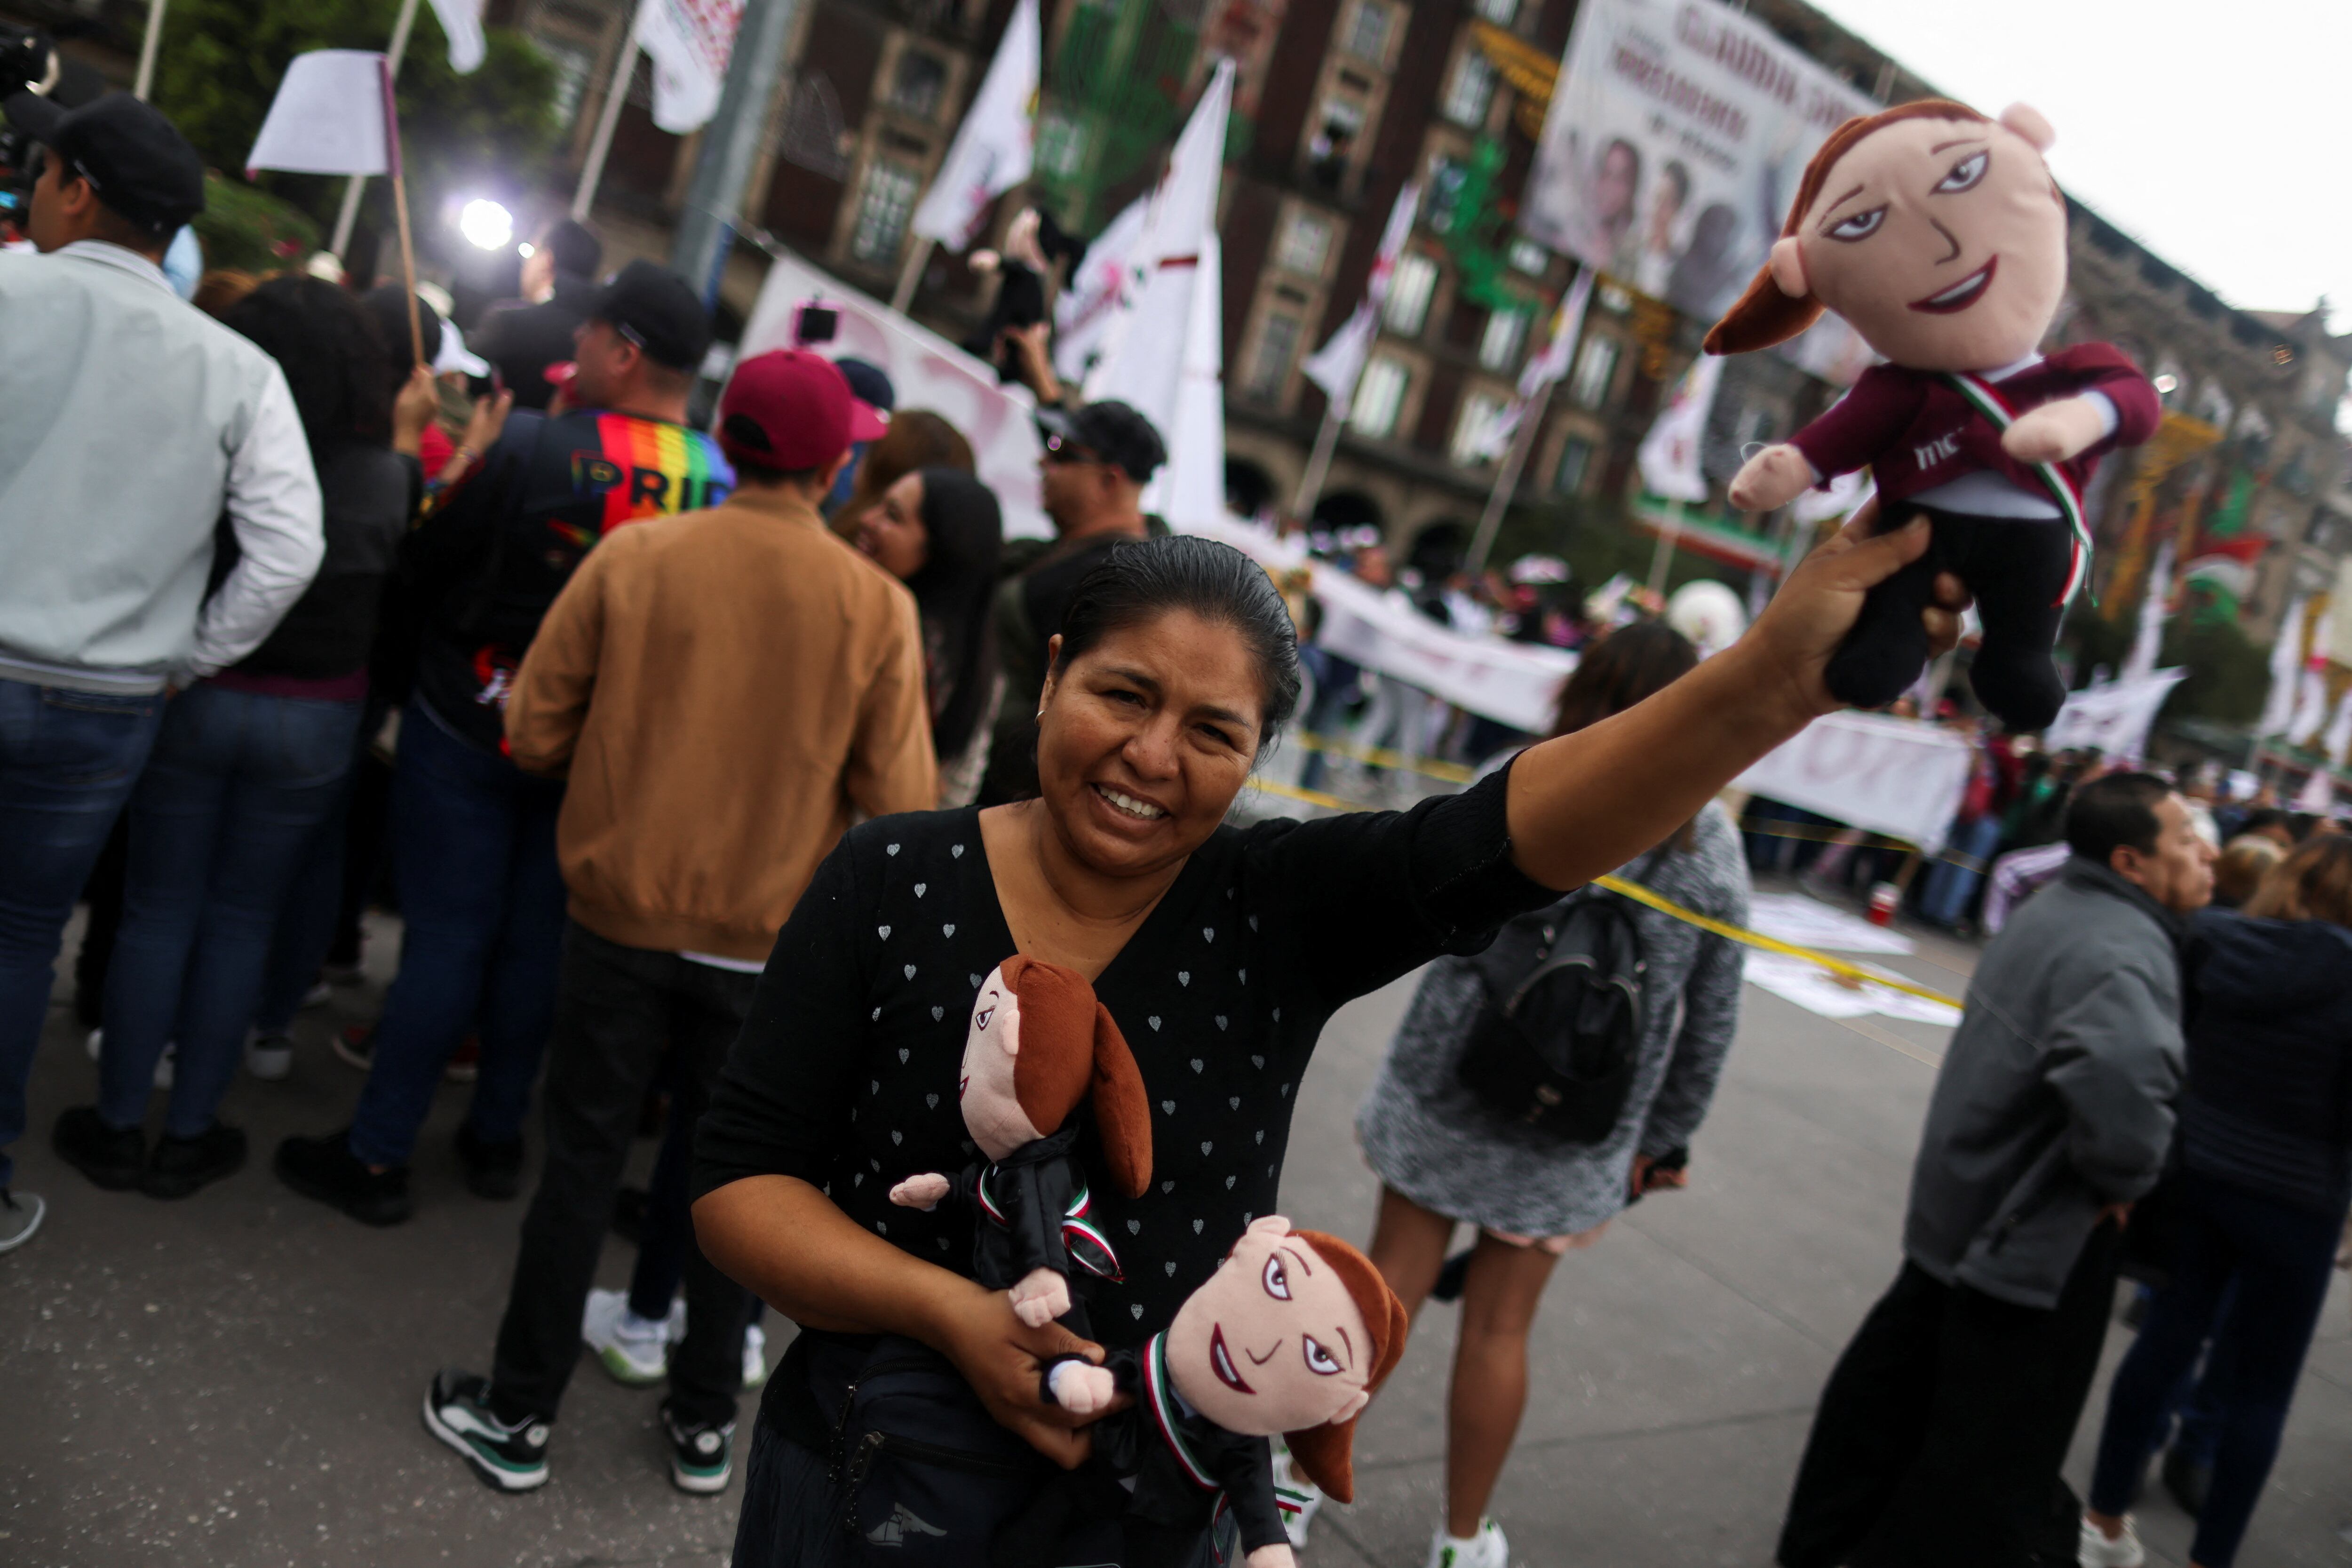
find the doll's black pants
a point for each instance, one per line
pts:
(2017, 569)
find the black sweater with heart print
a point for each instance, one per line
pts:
(845, 1072)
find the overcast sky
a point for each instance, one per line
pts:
(2213, 132)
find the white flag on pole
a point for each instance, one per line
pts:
(689, 41)
(2286, 660)
(461, 24)
(2339, 732)
(2140, 662)
(1334, 366)
(992, 151)
(2319, 797)
(2311, 689)
(1191, 488)
(1669, 453)
(1543, 368)
(1101, 283)
(329, 117)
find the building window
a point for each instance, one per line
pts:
(1506, 330)
(1406, 310)
(1470, 90)
(1499, 12)
(1596, 367)
(1575, 457)
(1367, 36)
(1306, 244)
(884, 205)
(1473, 429)
(1061, 144)
(1380, 397)
(1277, 340)
(1327, 150)
(1528, 256)
(919, 84)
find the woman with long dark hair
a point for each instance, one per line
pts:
(2266, 1177)
(249, 762)
(940, 531)
(1447, 1158)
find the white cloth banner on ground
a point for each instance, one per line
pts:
(1514, 683)
(1894, 776)
(1806, 921)
(461, 24)
(993, 147)
(1813, 988)
(328, 117)
(1668, 456)
(689, 41)
(928, 371)
(2113, 716)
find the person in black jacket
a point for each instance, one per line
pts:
(2263, 1181)
(248, 763)
(524, 337)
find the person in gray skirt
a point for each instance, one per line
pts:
(1444, 1159)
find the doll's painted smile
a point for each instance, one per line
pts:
(1220, 1361)
(1960, 295)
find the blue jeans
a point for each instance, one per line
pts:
(68, 762)
(237, 785)
(1951, 886)
(314, 905)
(2280, 1259)
(481, 903)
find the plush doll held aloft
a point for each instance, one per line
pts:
(1293, 1334)
(1940, 237)
(1040, 1045)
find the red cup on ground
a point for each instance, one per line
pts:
(1883, 899)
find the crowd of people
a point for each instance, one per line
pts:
(713, 769)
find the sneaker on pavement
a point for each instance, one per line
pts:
(181, 1165)
(325, 1169)
(465, 1062)
(2097, 1551)
(355, 1043)
(1488, 1548)
(702, 1458)
(270, 1058)
(510, 1456)
(20, 1216)
(1300, 1499)
(164, 1065)
(492, 1170)
(633, 1351)
(755, 1356)
(110, 1157)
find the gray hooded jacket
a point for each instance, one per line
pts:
(2056, 1097)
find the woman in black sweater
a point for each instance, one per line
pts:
(1219, 949)
(2266, 1147)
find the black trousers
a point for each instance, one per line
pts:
(1940, 1437)
(617, 1010)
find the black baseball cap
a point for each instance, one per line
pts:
(657, 310)
(1111, 431)
(137, 161)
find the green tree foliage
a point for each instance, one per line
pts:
(221, 61)
(249, 230)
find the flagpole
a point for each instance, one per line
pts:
(1507, 483)
(608, 118)
(147, 48)
(351, 209)
(1318, 462)
(1666, 552)
(911, 275)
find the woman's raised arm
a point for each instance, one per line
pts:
(1585, 803)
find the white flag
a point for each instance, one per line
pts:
(689, 41)
(1543, 368)
(330, 117)
(1669, 453)
(461, 22)
(991, 149)
(1104, 279)
(2339, 732)
(1334, 366)
(2141, 661)
(2311, 691)
(2287, 661)
(1191, 488)
(2319, 797)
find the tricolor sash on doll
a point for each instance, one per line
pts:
(1088, 1248)
(1988, 401)
(1159, 1394)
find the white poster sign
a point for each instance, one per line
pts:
(1896, 776)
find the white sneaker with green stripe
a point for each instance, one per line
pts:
(509, 1456)
(1488, 1548)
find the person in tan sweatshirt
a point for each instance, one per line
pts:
(723, 689)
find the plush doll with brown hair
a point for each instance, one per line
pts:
(1039, 1047)
(1293, 1334)
(1939, 236)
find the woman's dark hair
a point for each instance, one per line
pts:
(953, 591)
(1149, 577)
(389, 306)
(334, 356)
(917, 440)
(1626, 667)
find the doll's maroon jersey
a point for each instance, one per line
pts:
(1917, 431)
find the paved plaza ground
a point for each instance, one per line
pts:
(235, 1379)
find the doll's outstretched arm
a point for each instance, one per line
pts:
(1039, 1297)
(2057, 431)
(923, 1192)
(1772, 478)
(1278, 1555)
(1080, 1387)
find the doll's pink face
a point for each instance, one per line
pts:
(1943, 242)
(1272, 1343)
(992, 1106)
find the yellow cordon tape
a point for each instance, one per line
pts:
(1666, 906)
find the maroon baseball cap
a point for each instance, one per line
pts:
(791, 410)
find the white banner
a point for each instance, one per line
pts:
(461, 24)
(993, 147)
(926, 370)
(689, 41)
(1677, 134)
(1896, 776)
(328, 117)
(2113, 716)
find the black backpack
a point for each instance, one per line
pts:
(1557, 1039)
